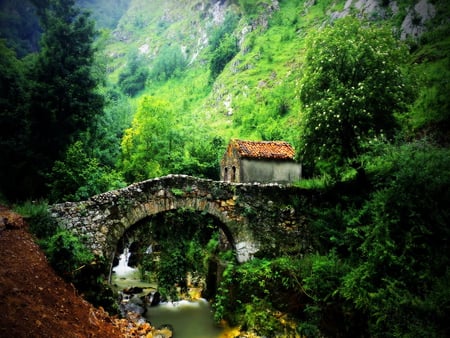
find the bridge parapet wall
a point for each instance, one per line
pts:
(259, 217)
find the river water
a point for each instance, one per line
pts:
(189, 319)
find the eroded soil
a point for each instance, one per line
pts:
(36, 302)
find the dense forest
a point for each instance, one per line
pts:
(98, 94)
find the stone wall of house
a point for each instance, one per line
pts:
(256, 170)
(230, 166)
(258, 217)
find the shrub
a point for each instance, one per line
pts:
(226, 51)
(40, 222)
(67, 255)
(169, 63)
(133, 78)
(70, 258)
(398, 238)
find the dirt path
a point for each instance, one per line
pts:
(35, 302)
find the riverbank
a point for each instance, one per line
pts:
(36, 302)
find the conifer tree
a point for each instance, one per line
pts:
(14, 132)
(64, 99)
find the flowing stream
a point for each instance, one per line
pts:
(189, 319)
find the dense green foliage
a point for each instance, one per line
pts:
(78, 176)
(226, 50)
(352, 88)
(196, 244)
(145, 154)
(133, 77)
(64, 100)
(53, 97)
(19, 26)
(404, 220)
(14, 136)
(169, 63)
(381, 270)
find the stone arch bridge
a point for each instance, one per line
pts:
(256, 217)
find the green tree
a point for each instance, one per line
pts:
(64, 100)
(103, 139)
(153, 141)
(223, 54)
(19, 25)
(401, 279)
(79, 176)
(134, 76)
(14, 133)
(201, 157)
(351, 91)
(169, 63)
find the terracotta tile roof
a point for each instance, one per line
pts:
(279, 150)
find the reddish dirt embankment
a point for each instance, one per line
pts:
(35, 302)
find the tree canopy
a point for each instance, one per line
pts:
(14, 134)
(351, 91)
(64, 100)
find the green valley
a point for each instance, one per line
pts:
(139, 89)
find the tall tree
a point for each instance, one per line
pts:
(14, 130)
(153, 142)
(64, 99)
(352, 88)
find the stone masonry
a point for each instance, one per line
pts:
(256, 217)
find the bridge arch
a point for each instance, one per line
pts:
(102, 220)
(169, 231)
(148, 212)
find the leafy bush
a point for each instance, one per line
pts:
(134, 76)
(389, 243)
(67, 254)
(169, 63)
(79, 176)
(229, 25)
(70, 258)
(186, 240)
(40, 222)
(253, 294)
(226, 51)
(400, 268)
(251, 7)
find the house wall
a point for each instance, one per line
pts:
(269, 171)
(230, 166)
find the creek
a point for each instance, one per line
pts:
(188, 319)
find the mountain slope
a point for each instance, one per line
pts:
(255, 96)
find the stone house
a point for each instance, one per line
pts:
(259, 161)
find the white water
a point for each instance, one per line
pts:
(122, 269)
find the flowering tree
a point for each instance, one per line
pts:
(351, 90)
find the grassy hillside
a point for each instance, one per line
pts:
(232, 69)
(256, 94)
